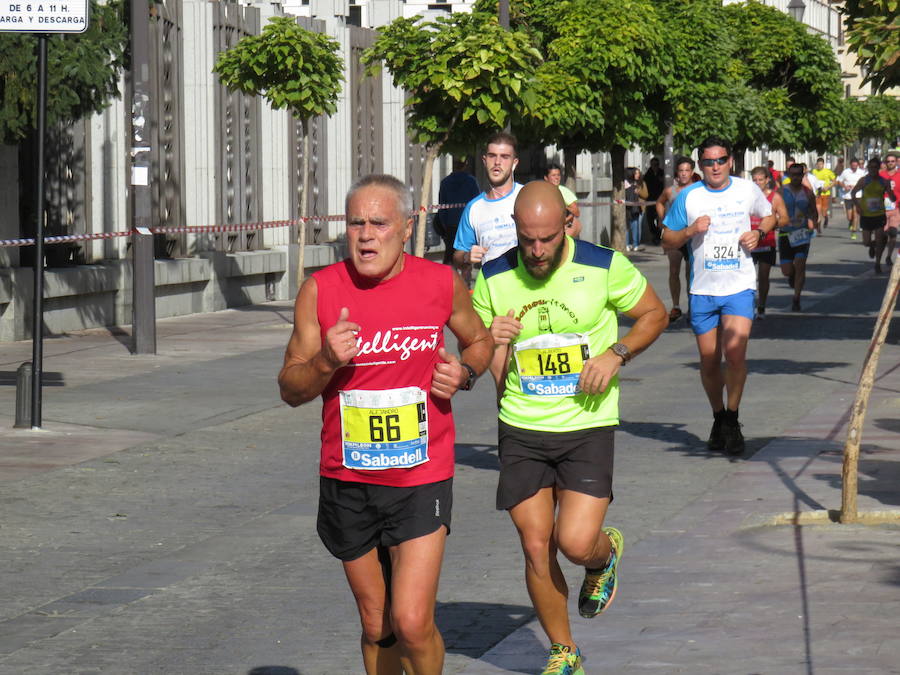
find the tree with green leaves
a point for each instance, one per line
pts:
(792, 82)
(463, 75)
(292, 68)
(600, 59)
(877, 117)
(873, 34)
(83, 72)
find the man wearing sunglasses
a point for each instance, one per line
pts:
(713, 218)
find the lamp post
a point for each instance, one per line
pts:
(796, 8)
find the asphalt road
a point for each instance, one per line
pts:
(164, 521)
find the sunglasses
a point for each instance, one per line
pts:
(712, 162)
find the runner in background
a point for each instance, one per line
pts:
(714, 216)
(684, 176)
(892, 212)
(869, 200)
(823, 194)
(796, 234)
(764, 254)
(553, 174)
(848, 179)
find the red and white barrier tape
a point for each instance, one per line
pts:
(240, 227)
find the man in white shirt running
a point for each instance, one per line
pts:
(713, 218)
(486, 229)
(848, 179)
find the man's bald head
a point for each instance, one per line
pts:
(540, 215)
(542, 201)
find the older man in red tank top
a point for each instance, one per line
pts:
(369, 338)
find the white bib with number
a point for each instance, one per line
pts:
(721, 252)
(384, 429)
(799, 237)
(551, 364)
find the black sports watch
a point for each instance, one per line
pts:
(470, 380)
(621, 350)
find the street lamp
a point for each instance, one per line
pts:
(796, 8)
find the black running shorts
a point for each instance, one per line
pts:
(354, 518)
(767, 257)
(872, 222)
(581, 461)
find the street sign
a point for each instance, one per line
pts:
(37, 16)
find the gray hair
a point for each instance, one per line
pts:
(404, 196)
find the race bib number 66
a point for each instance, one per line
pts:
(384, 429)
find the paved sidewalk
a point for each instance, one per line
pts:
(723, 589)
(163, 521)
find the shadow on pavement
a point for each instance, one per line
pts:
(687, 443)
(478, 456)
(274, 670)
(472, 628)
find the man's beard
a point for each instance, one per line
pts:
(548, 269)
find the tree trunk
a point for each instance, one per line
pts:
(617, 235)
(570, 159)
(425, 197)
(739, 153)
(304, 191)
(849, 473)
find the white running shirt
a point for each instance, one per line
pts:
(488, 223)
(850, 178)
(719, 264)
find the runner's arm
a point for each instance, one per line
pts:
(661, 203)
(308, 364)
(675, 239)
(475, 344)
(779, 211)
(813, 219)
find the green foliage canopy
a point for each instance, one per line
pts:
(876, 117)
(873, 33)
(83, 72)
(290, 66)
(463, 74)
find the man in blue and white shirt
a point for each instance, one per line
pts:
(713, 218)
(486, 229)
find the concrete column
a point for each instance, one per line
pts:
(200, 128)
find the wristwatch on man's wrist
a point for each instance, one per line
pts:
(470, 380)
(622, 351)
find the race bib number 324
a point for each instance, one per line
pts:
(384, 429)
(721, 253)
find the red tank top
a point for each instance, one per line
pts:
(767, 243)
(380, 423)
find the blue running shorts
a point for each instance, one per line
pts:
(706, 309)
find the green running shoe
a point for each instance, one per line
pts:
(599, 587)
(563, 661)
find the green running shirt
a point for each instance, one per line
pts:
(582, 296)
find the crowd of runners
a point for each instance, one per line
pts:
(542, 319)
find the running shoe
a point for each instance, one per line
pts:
(563, 661)
(716, 442)
(877, 268)
(853, 236)
(795, 306)
(760, 313)
(599, 587)
(732, 436)
(675, 314)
